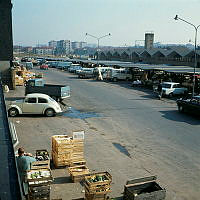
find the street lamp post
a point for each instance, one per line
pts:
(98, 38)
(195, 48)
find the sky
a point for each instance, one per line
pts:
(39, 21)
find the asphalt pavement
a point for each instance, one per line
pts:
(128, 132)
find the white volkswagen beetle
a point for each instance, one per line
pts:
(35, 103)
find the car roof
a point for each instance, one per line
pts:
(37, 95)
(172, 83)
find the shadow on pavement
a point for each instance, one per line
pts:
(174, 115)
(62, 180)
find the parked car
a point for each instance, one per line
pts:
(35, 103)
(28, 65)
(57, 92)
(191, 105)
(63, 65)
(74, 67)
(171, 88)
(44, 66)
(86, 73)
(52, 64)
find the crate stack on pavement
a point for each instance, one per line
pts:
(43, 160)
(39, 177)
(39, 181)
(97, 186)
(77, 156)
(62, 149)
(68, 151)
(21, 75)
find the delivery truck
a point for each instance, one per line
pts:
(57, 92)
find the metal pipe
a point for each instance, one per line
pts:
(195, 49)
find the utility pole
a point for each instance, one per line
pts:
(6, 42)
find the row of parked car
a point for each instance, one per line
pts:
(101, 73)
(168, 89)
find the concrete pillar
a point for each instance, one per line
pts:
(6, 42)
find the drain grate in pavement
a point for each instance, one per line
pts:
(122, 149)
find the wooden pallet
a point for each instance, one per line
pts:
(78, 173)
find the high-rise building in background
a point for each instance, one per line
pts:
(63, 47)
(78, 45)
(53, 43)
(149, 40)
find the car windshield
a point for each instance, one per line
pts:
(165, 85)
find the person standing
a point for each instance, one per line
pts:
(24, 161)
(160, 89)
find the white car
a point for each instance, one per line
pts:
(35, 103)
(171, 88)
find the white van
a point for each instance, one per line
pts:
(101, 72)
(171, 88)
(118, 74)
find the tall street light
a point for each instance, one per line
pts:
(98, 38)
(195, 48)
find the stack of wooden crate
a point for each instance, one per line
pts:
(78, 150)
(39, 181)
(43, 160)
(19, 80)
(97, 186)
(68, 151)
(62, 149)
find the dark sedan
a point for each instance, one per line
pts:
(191, 105)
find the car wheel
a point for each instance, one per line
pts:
(49, 112)
(171, 95)
(13, 112)
(180, 108)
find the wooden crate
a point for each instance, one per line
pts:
(75, 156)
(43, 160)
(42, 152)
(39, 181)
(99, 187)
(41, 164)
(95, 196)
(75, 162)
(78, 173)
(61, 160)
(143, 189)
(61, 143)
(39, 193)
(19, 81)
